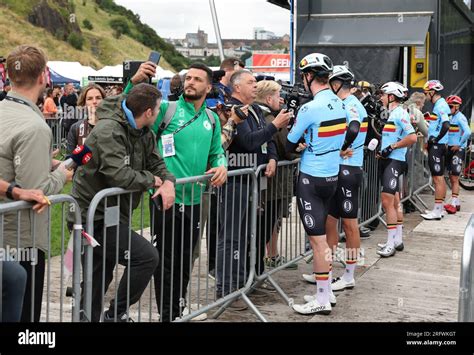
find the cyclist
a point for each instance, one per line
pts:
(397, 135)
(459, 134)
(437, 140)
(322, 122)
(345, 205)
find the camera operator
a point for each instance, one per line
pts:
(229, 66)
(253, 142)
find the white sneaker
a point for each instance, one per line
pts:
(311, 278)
(398, 247)
(432, 216)
(313, 307)
(339, 284)
(443, 212)
(311, 298)
(386, 252)
(194, 307)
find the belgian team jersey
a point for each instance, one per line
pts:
(322, 122)
(440, 115)
(459, 130)
(397, 127)
(355, 111)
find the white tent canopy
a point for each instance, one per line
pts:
(73, 70)
(77, 71)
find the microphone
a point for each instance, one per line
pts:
(373, 144)
(80, 156)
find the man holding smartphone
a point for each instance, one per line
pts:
(189, 138)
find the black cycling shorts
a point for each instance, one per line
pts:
(391, 170)
(436, 157)
(345, 203)
(313, 195)
(454, 161)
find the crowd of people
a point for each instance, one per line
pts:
(141, 142)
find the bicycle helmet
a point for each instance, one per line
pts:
(433, 85)
(316, 62)
(394, 88)
(454, 100)
(341, 72)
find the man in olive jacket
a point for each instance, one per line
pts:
(123, 155)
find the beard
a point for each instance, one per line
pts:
(195, 96)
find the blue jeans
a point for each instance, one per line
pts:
(13, 290)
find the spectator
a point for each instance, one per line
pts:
(89, 100)
(13, 275)
(280, 188)
(68, 103)
(6, 88)
(176, 88)
(56, 94)
(123, 155)
(230, 66)
(49, 107)
(253, 142)
(200, 143)
(414, 105)
(25, 148)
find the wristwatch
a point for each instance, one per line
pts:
(9, 192)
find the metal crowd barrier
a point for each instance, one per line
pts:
(419, 175)
(58, 131)
(466, 298)
(12, 215)
(182, 289)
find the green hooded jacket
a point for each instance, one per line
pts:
(122, 156)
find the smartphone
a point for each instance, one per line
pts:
(158, 202)
(154, 57)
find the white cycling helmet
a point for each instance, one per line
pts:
(394, 88)
(341, 72)
(316, 62)
(433, 85)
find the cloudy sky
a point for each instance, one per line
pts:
(237, 18)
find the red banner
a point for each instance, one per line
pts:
(271, 63)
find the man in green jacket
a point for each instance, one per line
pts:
(123, 155)
(189, 143)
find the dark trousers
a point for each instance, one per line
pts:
(270, 212)
(212, 230)
(36, 273)
(13, 290)
(176, 233)
(137, 251)
(232, 244)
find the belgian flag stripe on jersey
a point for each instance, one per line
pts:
(364, 125)
(332, 128)
(454, 128)
(389, 128)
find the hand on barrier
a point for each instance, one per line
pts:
(33, 196)
(346, 153)
(454, 148)
(270, 171)
(146, 70)
(54, 154)
(167, 193)
(220, 176)
(158, 182)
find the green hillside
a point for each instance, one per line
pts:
(95, 33)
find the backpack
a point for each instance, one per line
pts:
(172, 107)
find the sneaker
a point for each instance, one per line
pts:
(386, 252)
(121, 318)
(432, 216)
(398, 247)
(450, 209)
(364, 233)
(339, 284)
(309, 278)
(311, 298)
(212, 274)
(195, 307)
(275, 261)
(238, 305)
(313, 308)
